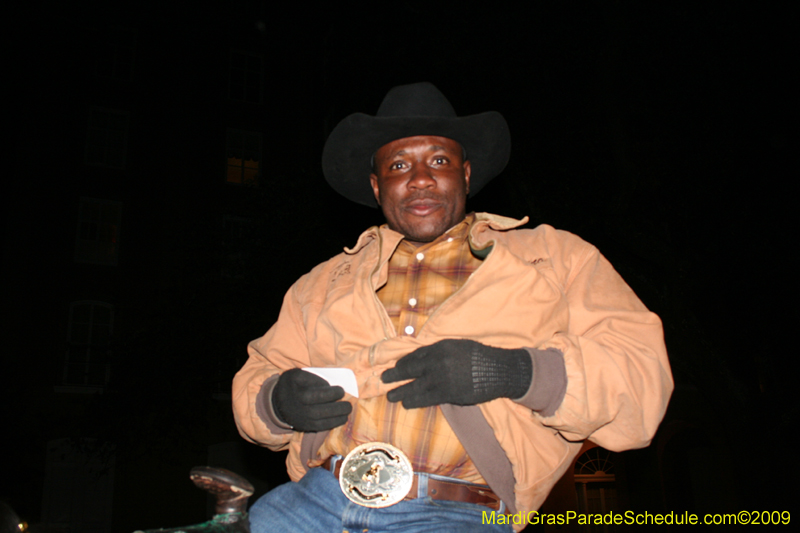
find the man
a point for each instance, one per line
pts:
(483, 354)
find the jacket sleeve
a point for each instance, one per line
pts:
(618, 376)
(283, 347)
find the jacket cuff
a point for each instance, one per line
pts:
(266, 411)
(549, 383)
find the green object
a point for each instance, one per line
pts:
(221, 523)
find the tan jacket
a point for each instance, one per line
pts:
(539, 288)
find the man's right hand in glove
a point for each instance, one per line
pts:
(308, 403)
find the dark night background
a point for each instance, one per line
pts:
(658, 131)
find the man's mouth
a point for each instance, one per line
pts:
(422, 207)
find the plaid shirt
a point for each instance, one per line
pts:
(420, 279)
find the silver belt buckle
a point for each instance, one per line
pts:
(376, 475)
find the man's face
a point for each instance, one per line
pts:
(421, 183)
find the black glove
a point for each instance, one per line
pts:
(461, 372)
(308, 403)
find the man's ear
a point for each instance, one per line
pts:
(467, 173)
(373, 181)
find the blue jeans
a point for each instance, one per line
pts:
(316, 504)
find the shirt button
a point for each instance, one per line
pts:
(420, 256)
(409, 330)
(412, 302)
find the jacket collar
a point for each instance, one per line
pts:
(480, 237)
(481, 234)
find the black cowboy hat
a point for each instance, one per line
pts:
(407, 111)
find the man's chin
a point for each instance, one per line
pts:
(425, 229)
(423, 234)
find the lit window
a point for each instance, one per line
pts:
(106, 138)
(88, 344)
(595, 484)
(244, 154)
(245, 77)
(97, 238)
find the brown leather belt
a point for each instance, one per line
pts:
(443, 490)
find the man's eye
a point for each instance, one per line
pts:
(396, 166)
(440, 160)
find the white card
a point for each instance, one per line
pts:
(344, 377)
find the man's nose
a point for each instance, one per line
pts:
(421, 177)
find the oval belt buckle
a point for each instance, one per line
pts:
(376, 475)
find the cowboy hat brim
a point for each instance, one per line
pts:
(351, 145)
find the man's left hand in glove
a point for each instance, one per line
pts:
(461, 372)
